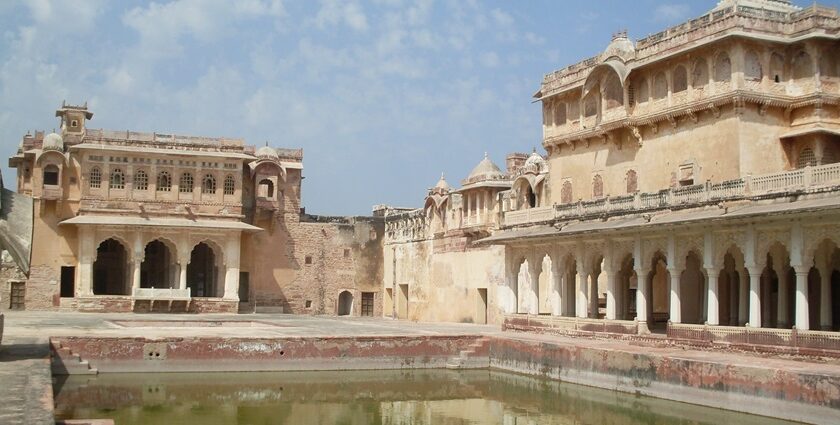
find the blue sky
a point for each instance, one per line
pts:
(382, 95)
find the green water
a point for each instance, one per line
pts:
(433, 397)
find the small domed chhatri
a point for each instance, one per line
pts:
(53, 142)
(267, 152)
(485, 170)
(442, 186)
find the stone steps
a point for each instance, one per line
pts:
(66, 362)
(474, 357)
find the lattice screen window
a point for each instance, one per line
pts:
(117, 179)
(230, 185)
(186, 183)
(141, 180)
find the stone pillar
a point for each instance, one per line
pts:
(743, 298)
(232, 267)
(583, 279)
(676, 304)
(510, 302)
(556, 289)
(135, 282)
(534, 287)
(782, 319)
(87, 255)
(182, 276)
(612, 305)
(826, 316)
(802, 322)
(755, 297)
(593, 295)
(734, 293)
(642, 295)
(712, 304)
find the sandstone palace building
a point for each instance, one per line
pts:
(128, 221)
(690, 178)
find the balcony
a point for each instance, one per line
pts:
(764, 186)
(51, 192)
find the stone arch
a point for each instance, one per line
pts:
(568, 290)
(613, 91)
(700, 74)
(777, 68)
(110, 269)
(692, 289)
(159, 268)
(626, 285)
(50, 174)
(204, 274)
(631, 179)
(752, 66)
(643, 91)
(657, 279)
(778, 286)
(345, 304)
(660, 86)
(803, 66)
(597, 186)
(265, 189)
(566, 192)
(733, 292)
(680, 79)
(723, 68)
(590, 105)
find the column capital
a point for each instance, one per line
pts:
(801, 270)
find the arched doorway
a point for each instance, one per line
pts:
(659, 283)
(158, 267)
(202, 272)
(345, 303)
(109, 269)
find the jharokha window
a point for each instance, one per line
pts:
(141, 180)
(117, 179)
(186, 183)
(208, 185)
(566, 192)
(164, 182)
(230, 185)
(632, 181)
(597, 186)
(95, 180)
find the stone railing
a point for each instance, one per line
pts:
(815, 340)
(567, 325)
(161, 293)
(804, 179)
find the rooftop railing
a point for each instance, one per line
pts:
(804, 179)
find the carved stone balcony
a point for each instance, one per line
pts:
(778, 184)
(51, 192)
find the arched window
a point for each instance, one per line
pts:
(141, 180)
(597, 186)
(95, 179)
(752, 66)
(660, 86)
(208, 185)
(164, 182)
(613, 92)
(185, 185)
(51, 175)
(700, 74)
(230, 185)
(777, 68)
(643, 94)
(680, 78)
(265, 189)
(632, 181)
(806, 158)
(723, 68)
(828, 65)
(117, 179)
(803, 67)
(560, 113)
(547, 118)
(566, 192)
(590, 106)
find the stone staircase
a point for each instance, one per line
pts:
(476, 356)
(65, 362)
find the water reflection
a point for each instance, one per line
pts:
(438, 397)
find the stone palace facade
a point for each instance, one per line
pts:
(690, 177)
(127, 221)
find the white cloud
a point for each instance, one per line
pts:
(671, 12)
(335, 12)
(490, 59)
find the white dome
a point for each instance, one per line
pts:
(485, 170)
(267, 152)
(53, 142)
(535, 159)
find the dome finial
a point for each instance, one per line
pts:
(442, 176)
(485, 154)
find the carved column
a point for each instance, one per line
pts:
(556, 289)
(825, 299)
(743, 298)
(87, 255)
(581, 298)
(801, 311)
(712, 304)
(755, 297)
(534, 267)
(593, 295)
(612, 304)
(642, 296)
(675, 310)
(232, 267)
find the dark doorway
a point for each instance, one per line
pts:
(345, 303)
(244, 287)
(367, 303)
(109, 269)
(201, 272)
(18, 296)
(156, 271)
(68, 281)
